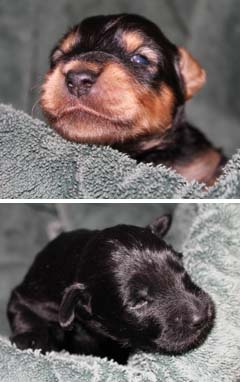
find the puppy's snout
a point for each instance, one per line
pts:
(198, 319)
(201, 315)
(80, 82)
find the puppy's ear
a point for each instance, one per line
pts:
(75, 295)
(161, 225)
(194, 76)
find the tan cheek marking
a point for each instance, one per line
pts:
(164, 106)
(69, 41)
(132, 41)
(117, 91)
(52, 98)
(157, 109)
(120, 95)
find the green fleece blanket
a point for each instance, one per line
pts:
(212, 257)
(37, 163)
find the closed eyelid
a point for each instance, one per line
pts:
(148, 53)
(138, 306)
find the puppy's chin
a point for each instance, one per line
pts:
(89, 126)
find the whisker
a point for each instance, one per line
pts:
(35, 87)
(34, 106)
(38, 84)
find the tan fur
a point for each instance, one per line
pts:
(132, 41)
(52, 87)
(116, 109)
(193, 74)
(203, 168)
(69, 41)
(158, 108)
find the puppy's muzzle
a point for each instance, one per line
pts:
(201, 316)
(80, 82)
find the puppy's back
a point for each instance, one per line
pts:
(53, 269)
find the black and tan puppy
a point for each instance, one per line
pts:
(118, 80)
(108, 293)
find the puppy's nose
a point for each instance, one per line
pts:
(199, 318)
(80, 83)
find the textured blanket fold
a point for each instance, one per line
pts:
(37, 163)
(212, 257)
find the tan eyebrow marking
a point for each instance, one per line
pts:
(69, 41)
(132, 41)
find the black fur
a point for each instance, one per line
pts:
(108, 293)
(175, 147)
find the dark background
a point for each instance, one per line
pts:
(210, 29)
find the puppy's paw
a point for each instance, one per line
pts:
(30, 341)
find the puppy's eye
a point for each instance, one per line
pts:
(139, 304)
(140, 59)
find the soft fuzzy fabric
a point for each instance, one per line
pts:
(37, 163)
(212, 257)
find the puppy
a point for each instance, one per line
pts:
(108, 293)
(117, 80)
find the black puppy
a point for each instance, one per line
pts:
(110, 292)
(118, 80)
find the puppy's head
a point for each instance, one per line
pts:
(113, 78)
(135, 290)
